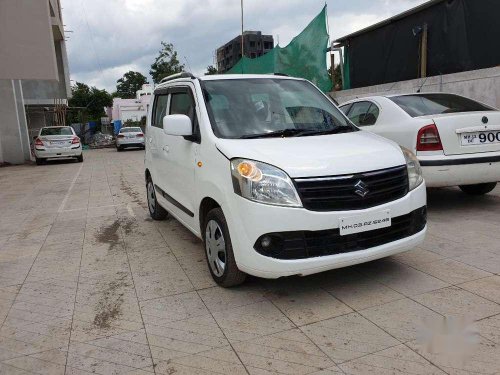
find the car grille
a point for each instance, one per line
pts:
(338, 193)
(309, 244)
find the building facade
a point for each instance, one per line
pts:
(124, 110)
(34, 74)
(254, 45)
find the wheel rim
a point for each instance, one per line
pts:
(151, 197)
(215, 247)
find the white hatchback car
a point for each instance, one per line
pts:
(129, 137)
(456, 139)
(57, 142)
(275, 179)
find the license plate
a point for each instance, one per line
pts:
(480, 138)
(57, 143)
(366, 222)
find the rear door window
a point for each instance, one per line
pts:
(434, 104)
(363, 113)
(160, 110)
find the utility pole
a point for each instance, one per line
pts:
(242, 48)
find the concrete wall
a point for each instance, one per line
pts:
(14, 141)
(482, 85)
(26, 47)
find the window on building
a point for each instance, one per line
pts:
(252, 44)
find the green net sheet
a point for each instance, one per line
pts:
(304, 56)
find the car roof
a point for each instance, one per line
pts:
(373, 97)
(218, 77)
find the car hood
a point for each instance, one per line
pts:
(314, 156)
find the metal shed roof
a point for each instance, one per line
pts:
(389, 20)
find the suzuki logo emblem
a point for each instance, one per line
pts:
(361, 189)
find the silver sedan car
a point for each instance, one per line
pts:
(55, 142)
(130, 137)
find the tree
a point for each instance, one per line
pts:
(91, 101)
(166, 63)
(211, 70)
(128, 85)
(337, 77)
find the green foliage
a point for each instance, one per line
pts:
(337, 77)
(166, 63)
(211, 70)
(128, 85)
(91, 100)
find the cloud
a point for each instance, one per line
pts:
(113, 36)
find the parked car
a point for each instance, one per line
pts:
(275, 179)
(130, 137)
(456, 139)
(55, 142)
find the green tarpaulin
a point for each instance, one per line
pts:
(304, 57)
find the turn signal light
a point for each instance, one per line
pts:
(428, 139)
(250, 171)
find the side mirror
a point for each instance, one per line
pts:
(177, 125)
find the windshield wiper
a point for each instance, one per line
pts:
(336, 130)
(291, 132)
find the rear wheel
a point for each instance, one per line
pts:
(478, 189)
(156, 211)
(40, 161)
(219, 250)
(119, 148)
(80, 158)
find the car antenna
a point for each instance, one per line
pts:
(422, 85)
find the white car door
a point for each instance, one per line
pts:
(154, 134)
(177, 157)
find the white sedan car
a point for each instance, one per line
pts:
(456, 139)
(55, 142)
(130, 137)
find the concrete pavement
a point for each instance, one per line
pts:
(90, 284)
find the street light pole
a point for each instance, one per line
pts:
(242, 48)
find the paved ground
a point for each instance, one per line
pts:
(89, 284)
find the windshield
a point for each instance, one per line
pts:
(261, 107)
(434, 104)
(130, 130)
(57, 131)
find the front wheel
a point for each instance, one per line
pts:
(478, 189)
(156, 211)
(219, 250)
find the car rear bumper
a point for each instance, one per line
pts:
(50, 153)
(466, 169)
(134, 142)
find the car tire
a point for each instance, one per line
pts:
(79, 159)
(39, 161)
(219, 250)
(119, 148)
(156, 211)
(478, 189)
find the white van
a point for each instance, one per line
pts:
(275, 179)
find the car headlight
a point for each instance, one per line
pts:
(413, 167)
(263, 183)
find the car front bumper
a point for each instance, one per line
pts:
(248, 222)
(465, 169)
(63, 152)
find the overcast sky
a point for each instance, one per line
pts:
(112, 37)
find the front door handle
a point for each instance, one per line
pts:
(166, 149)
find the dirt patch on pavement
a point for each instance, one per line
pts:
(135, 196)
(111, 299)
(109, 234)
